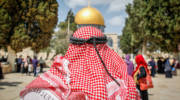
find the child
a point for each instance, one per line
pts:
(29, 69)
(37, 69)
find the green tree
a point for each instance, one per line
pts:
(134, 37)
(27, 23)
(127, 42)
(165, 24)
(59, 43)
(60, 38)
(64, 25)
(154, 24)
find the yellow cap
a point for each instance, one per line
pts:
(89, 15)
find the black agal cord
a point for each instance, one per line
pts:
(99, 40)
(94, 41)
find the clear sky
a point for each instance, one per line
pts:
(113, 11)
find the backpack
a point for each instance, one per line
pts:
(146, 83)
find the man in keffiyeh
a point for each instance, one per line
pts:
(90, 70)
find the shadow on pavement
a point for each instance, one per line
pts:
(13, 84)
(1, 88)
(151, 94)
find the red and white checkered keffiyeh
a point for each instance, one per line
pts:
(87, 73)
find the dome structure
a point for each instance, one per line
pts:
(90, 17)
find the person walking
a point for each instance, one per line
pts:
(1, 72)
(23, 66)
(160, 66)
(142, 77)
(3, 59)
(26, 64)
(34, 63)
(41, 62)
(16, 63)
(38, 69)
(29, 62)
(130, 65)
(168, 69)
(152, 64)
(173, 67)
(19, 63)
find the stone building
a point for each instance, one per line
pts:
(113, 42)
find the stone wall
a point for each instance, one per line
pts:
(6, 68)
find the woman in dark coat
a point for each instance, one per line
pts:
(1, 73)
(153, 69)
(160, 66)
(140, 73)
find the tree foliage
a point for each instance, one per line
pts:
(152, 25)
(27, 23)
(59, 43)
(127, 43)
(64, 25)
(165, 23)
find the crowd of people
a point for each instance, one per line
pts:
(143, 71)
(167, 67)
(164, 66)
(4, 58)
(28, 65)
(160, 66)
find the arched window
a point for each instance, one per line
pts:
(110, 42)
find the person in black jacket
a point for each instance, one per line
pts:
(160, 66)
(1, 72)
(153, 65)
(140, 74)
(19, 64)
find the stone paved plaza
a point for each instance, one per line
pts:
(164, 89)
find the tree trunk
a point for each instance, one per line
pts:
(176, 54)
(35, 54)
(47, 55)
(11, 58)
(178, 57)
(144, 48)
